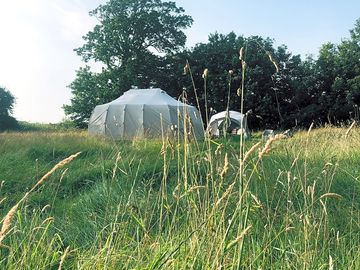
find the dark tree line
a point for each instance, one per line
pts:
(7, 101)
(140, 43)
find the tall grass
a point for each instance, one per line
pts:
(297, 207)
(285, 203)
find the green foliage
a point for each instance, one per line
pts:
(335, 72)
(128, 29)
(295, 93)
(124, 42)
(324, 90)
(268, 94)
(7, 101)
(163, 204)
(65, 125)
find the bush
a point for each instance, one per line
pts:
(8, 123)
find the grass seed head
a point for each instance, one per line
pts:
(205, 73)
(226, 166)
(331, 263)
(186, 68)
(250, 151)
(239, 238)
(268, 143)
(10, 215)
(273, 61)
(238, 92)
(241, 54)
(226, 193)
(7, 221)
(63, 257)
(331, 195)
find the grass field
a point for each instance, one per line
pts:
(285, 204)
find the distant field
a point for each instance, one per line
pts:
(287, 204)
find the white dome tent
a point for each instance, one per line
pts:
(145, 113)
(228, 121)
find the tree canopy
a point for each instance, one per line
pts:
(140, 43)
(7, 101)
(124, 42)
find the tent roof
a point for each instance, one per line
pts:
(237, 116)
(144, 113)
(152, 96)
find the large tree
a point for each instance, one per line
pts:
(268, 92)
(128, 40)
(7, 101)
(337, 72)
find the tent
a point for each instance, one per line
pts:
(145, 113)
(228, 121)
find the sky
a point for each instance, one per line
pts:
(37, 38)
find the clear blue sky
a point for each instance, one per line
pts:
(37, 61)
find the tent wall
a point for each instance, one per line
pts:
(128, 117)
(157, 120)
(114, 126)
(98, 119)
(236, 120)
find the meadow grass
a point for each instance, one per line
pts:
(286, 204)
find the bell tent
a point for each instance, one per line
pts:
(145, 113)
(228, 121)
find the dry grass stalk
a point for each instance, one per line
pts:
(268, 143)
(241, 54)
(349, 129)
(7, 221)
(218, 149)
(63, 174)
(49, 219)
(249, 152)
(239, 238)
(186, 68)
(63, 257)
(331, 263)
(190, 190)
(256, 199)
(118, 157)
(226, 166)
(226, 193)
(294, 162)
(324, 207)
(2, 200)
(44, 208)
(205, 74)
(56, 167)
(175, 195)
(9, 216)
(238, 92)
(331, 195)
(310, 128)
(273, 61)
(194, 188)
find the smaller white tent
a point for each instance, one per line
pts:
(227, 121)
(145, 113)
